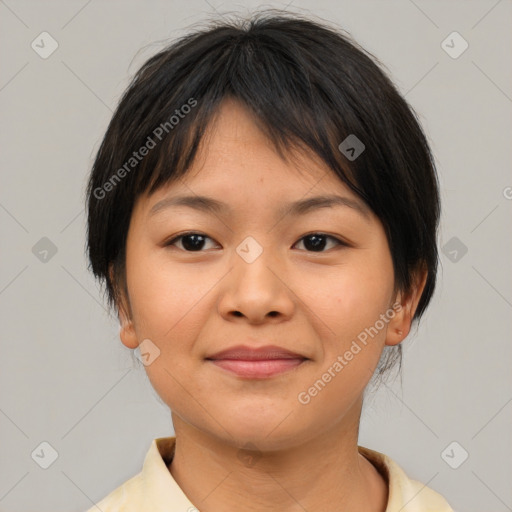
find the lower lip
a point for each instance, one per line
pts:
(257, 369)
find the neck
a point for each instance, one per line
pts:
(323, 474)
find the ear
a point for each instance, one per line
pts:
(127, 332)
(404, 306)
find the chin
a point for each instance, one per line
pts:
(266, 432)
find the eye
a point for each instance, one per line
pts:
(316, 242)
(195, 242)
(191, 242)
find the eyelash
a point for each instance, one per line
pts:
(175, 239)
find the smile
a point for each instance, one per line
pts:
(257, 369)
(256, 363)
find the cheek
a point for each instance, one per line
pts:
(170, 308)
(350, 298)
(166, 300)
(351, 307)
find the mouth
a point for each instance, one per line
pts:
(256, 363)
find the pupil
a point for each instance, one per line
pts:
(196, 244)
(318, 242)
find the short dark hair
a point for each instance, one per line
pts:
(310, 87)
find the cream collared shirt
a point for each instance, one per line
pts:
(155, 490)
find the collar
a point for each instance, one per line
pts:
(155, 489)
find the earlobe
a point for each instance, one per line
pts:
(400, 325)
(398, 329)
(127, 332)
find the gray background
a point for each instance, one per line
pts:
(65, 377)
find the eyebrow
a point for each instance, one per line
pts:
(301, 207)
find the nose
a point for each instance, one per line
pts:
(256, 291)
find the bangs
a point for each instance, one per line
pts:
(298, 118)
(309, 88)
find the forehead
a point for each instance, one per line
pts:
(235, 141)
(238, 163)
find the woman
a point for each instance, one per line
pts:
(263, 213)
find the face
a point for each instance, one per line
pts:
(310, 282)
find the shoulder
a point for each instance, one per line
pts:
(153, 488)
(405, 494)
(122, 498)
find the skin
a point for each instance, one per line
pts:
(196, 302)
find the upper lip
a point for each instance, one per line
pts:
(244, 352)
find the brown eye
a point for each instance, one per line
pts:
(316, 242)
(190, 242)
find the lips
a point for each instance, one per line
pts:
(257, 363)
(256, 354)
